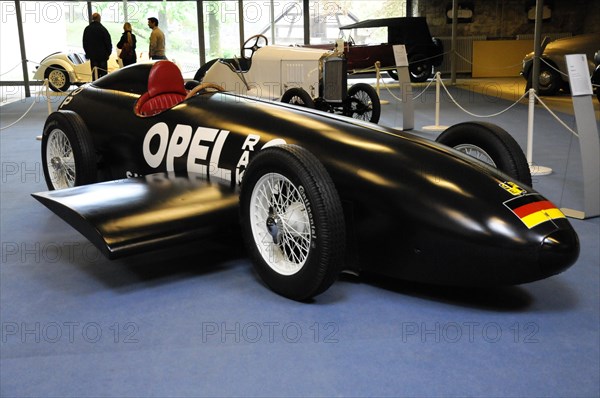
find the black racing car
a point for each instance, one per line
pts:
(314, 193)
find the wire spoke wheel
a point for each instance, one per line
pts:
(363, 103)
(68, 156)
(60, 160)
(489, 144)
(280, 223)
(361, 106)
(292, 221)
(476, 152)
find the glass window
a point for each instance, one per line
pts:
(179, 22)
(48, 27)
(10, 61)
(221, 29)
(326, 17)
(257, 19)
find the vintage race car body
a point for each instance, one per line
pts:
(64, 69)
(309, 77)
(276, 69)
(412, 208)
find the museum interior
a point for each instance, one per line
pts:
(300, 198)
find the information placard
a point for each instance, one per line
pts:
(579, 75)
(400, 55)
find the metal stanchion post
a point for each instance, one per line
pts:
(535, 169)
(47, 84)
(378, 75)
(436, 126)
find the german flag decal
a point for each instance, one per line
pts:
(533, 209)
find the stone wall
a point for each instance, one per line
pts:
(508, 18)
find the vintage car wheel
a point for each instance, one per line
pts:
(393, 73)
(549, 80)
(58, 78)
(363, 103)
(292, 221)
(419, 69)
(298, 96)
(68, 157)
(490, 144)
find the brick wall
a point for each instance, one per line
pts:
(508, 18)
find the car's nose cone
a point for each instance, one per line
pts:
(559, 250)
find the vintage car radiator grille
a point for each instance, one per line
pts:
(335, 79)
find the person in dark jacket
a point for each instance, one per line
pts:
(97, 46)
(127, 45)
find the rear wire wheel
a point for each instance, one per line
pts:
(68, 157)
(298, 96)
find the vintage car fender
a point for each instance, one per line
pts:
(75, 65)
(60, 59)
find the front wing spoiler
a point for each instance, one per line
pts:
(130, 216)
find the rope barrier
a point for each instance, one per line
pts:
(28, 109)
(476, 115)
(556, 117)
(13, 68)
(425, 89)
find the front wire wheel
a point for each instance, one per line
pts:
(292, 222)
(279, 218)
(363, 103)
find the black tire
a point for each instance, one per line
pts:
(491, 141)
(310, 213)
(420, 69)
(68, 157)
(58, 78)
(363, 103)
(393, 73)
(298, 96)
(200, 73)
(549, 81)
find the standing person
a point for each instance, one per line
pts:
(157, 40)
(127, 45)
(97, 45)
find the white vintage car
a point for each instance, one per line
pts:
(64, 69)
(303, 76)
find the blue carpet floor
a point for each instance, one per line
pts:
(196, 321)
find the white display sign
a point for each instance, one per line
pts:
(579, 75)
(400, 55)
